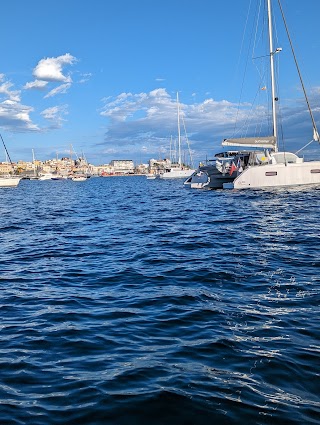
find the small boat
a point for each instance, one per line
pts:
(150, 176)
(79, 178)
(45, 176)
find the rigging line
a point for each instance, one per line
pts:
(300, 76)
(305, 146)
(281, 131)
(246, 64)
(261, 70)
(5, 147)
(244, 130)
(187, 140)
(256, 29)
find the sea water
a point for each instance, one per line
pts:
(133, 301)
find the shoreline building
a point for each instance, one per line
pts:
(122, 166)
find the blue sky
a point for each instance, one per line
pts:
(103, 75)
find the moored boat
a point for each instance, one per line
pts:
(9, 181)
(177, 170)
(79, 178)
(151, 176)
(259, 163)
(276, 168)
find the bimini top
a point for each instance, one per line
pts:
(252, 142)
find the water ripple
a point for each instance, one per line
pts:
(127, 301)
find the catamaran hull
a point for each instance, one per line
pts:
(277, 175)
(208, 177)
(9, 181)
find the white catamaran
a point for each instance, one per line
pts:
(276, 168)
(256, 162)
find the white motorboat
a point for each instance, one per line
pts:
(151, 176)
(79, 178)
(45, 176)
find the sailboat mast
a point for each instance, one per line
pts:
(179, 134)
(273, 88)
(34, 164)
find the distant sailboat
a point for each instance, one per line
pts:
(35, 174)
(177, 170)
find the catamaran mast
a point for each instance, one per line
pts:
(273, 88)
(179, 135)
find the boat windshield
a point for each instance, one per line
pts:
(284, 158)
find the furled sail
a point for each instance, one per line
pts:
(251, 142)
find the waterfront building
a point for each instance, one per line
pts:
(5, 168)
(141, 169)
(123, 166)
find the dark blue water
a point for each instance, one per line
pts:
(134, 301)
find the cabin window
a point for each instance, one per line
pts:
(315, 171)
(271, 173)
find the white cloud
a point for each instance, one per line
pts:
(37, 84)
(13, 115)
(63, 88)
(55, 115)
(16, 117)
(50, 69)
(5, 90)
(146, 121)
(128, 106)
(84, 78)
